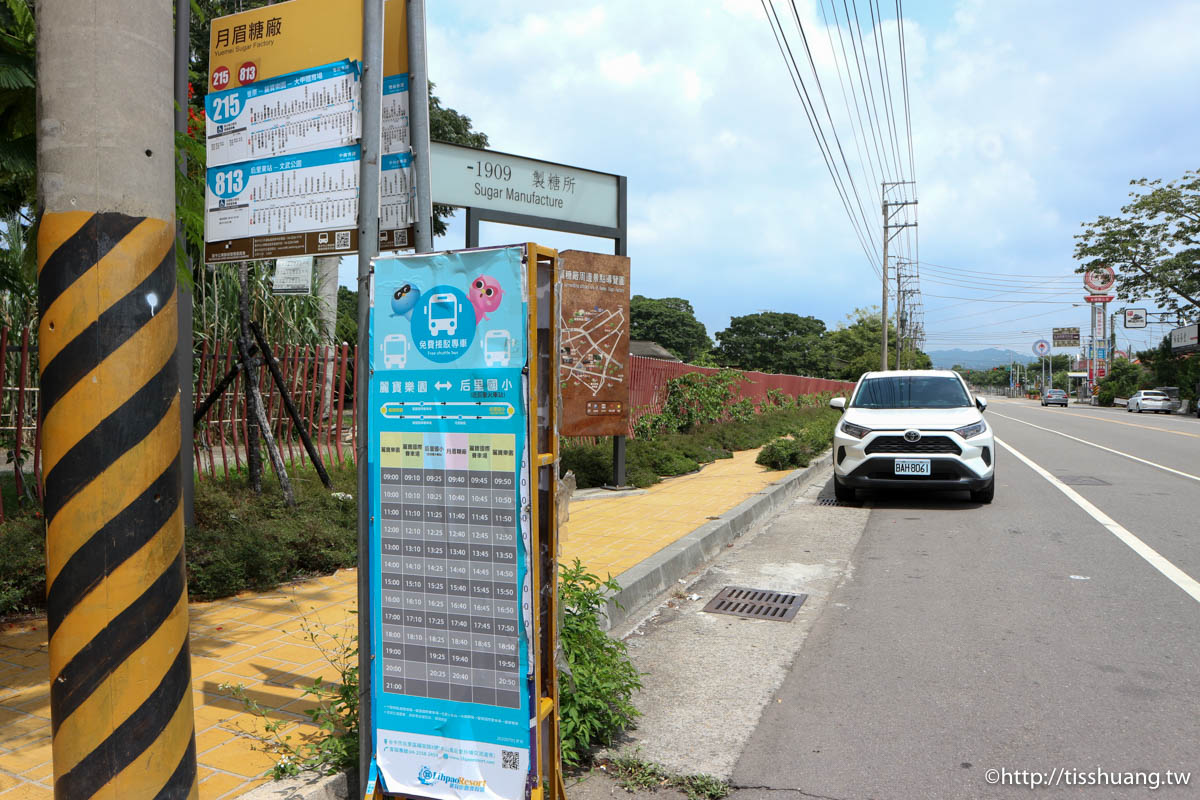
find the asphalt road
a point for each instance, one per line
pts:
(1037, 633)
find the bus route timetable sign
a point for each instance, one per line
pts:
(450, 500)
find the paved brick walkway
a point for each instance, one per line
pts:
(258, 640)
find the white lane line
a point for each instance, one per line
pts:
(1152, 556)
(1187, 475)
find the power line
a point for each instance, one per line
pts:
(797, 83)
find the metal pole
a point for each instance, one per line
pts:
(368, 248)
(418, 117)
(621, 248)
(120, 670)
(184, 349)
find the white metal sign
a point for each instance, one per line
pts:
(466, 177)
(396, 192)
(287, 194)
(395, 114)
(293, 275)
(313, 109)
(1135, 318)
(1187, 337)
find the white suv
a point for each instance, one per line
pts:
(915, 429)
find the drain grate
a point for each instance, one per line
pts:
(1082, 480)
(756, 603)
(833, 501)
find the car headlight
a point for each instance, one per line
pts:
(974, 429)
(857, 431)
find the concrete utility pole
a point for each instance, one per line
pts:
(120, 674)
(888, 228)
(184, 348)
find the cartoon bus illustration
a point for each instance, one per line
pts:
(395, 351)
(443, 313)
(497, 349)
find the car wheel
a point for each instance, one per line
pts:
(985, 494)
(844, 493)
(1139, 409)
(1128, 409)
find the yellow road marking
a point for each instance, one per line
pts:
(1133, 424)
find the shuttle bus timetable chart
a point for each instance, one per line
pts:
(449, 562)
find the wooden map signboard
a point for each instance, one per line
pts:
(594, 344)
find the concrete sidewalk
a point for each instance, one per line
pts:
(277, 643)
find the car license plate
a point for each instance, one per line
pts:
(913, 466)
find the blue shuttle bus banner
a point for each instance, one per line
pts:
(449, 464)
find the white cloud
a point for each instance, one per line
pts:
(1026, 120)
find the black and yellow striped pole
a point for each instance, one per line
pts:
(120, 677)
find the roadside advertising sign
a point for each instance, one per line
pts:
(466, 177)
(1135, 318)
(1065, 337)
(451, 493)
(1099, 298)
(1041, 347)
(283, 120)
(293, 275)
(1186, 339)
(594, 344)
(1099, 279)
(1121, 354)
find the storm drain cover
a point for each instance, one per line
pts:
(756, 603)
(1082, 480)
(833, 501)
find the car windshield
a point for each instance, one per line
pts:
(916, 391)
(1159, 395)
(1055, 393)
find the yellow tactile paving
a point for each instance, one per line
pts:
(257, 640)
(610, 535)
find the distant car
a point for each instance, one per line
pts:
(1055, 397)
(913, 430)
(1149, 400)
(1171, 392)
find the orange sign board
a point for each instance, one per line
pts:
(287, 37)
(593, 344)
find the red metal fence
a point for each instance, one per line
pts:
(321, 383)
(648, 379)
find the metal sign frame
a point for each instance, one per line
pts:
(542, 280)
(619, 235)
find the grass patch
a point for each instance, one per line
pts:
(649, 460)
(245, 541)
(633, 774)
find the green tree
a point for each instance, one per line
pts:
(18, 107)
(671, 322)
(854, 347)
(1153, 245)
(346, 327)
(773, 341)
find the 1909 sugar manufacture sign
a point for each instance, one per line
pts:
(594, 346)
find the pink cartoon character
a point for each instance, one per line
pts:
(485, 294)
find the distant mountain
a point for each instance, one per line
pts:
(977, 359)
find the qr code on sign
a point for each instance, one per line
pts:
(510, 759)
(342, 240)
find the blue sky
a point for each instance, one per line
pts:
(1027, 118)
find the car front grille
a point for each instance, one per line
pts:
(926, 444)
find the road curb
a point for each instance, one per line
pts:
(647, 580)
(305, 787)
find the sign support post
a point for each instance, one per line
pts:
(368, 248)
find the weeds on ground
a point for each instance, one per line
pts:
(595, 696)
(632, 774)
(335, 748)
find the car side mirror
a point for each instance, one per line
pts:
(981, 404)
(838, 402)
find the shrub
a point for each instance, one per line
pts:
(784, 454)
(595, 695)
(23, 553)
